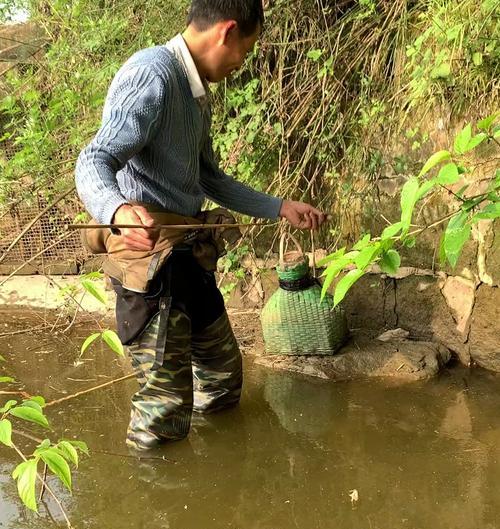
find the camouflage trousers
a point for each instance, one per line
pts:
(179, 373)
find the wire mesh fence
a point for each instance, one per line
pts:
(33, 233)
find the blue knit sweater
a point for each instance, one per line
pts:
(154, 146)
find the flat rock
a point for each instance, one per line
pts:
(364, 358)
(394, 335)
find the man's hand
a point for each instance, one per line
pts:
(301, 215)
(136, 238)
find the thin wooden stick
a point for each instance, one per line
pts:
(90, 390)
(42, 490)
(164, 226)
(22, 393)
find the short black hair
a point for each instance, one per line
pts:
(249, 14)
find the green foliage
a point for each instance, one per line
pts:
(6, 432)
(57, 458)
(89, 341)
(90, 287)
(27, 412)
(456, 51)
(25, 474)
(456, 235)
(381, 250)
(112, 340)
(231, 265)
(55, 104)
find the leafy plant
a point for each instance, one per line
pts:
(57, 457)
(471, 209)
(108, 336)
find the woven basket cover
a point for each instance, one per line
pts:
(299, 323)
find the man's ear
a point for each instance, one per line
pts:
(228, 29)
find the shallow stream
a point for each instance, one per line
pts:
(420, 455)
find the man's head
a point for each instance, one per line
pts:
(228, 30)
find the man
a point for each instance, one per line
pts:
(154, 150)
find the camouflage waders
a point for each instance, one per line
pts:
(187, 357)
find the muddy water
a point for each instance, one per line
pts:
(420, 456)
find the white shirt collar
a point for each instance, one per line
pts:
(179, 48)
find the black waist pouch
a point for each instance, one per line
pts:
(134, 310)
(182, 284)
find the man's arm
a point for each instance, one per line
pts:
(130, 118)
(234, 195)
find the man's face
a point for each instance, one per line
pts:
(230, 53)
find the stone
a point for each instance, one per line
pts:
(424, 312)
(394, 335)
(488, 235)
(484, 337)
(391, 186)
(459, 294)
(362, 358)
(370, 304)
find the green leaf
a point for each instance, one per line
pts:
(367, 256)
(362, 243)
(409, 195)
(39, 400)
(314, 54)
(92, 289)
(6, 379)
(462, 140)
(44, 444)
(68, 451)
(8, 405)
(345, 284)
(2, 359)
(6, 432)
(448, 175)
(331, 257)
(462, 190)
(487, 122)
(475, 141)
(58, 466)
(425, 188)
(90, 339)
(25, 473)
(331, 273)
(80, 445)
(410, 242)
(390, 262)
(112, 340)
(477, 58)
(32, 404)
(472, 203)
(490, 212)
(442, 252)
(442, 71)
(29, 414)
(434, 160)
(391, 231)
(456, 235)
